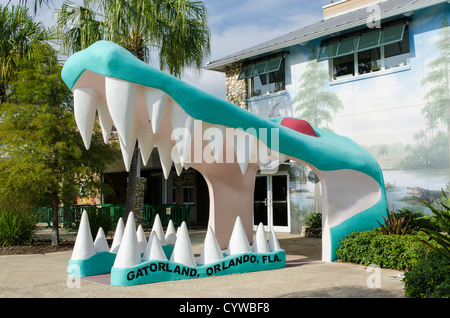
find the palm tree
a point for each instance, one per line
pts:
(315, 104)
(17, 32)
(438, 83)
(37, 3)
(177, 29)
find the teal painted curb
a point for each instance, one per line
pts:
(158, 271)
(97, 264)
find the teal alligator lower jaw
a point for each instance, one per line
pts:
(159, 271)
(148, 105)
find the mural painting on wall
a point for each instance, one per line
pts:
(401, 118)
(416, 164)
(317, 105)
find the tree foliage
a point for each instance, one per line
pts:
(43, 159)
(314, 103)
(17, 32)
(176, 29)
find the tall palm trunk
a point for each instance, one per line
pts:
(136, 48)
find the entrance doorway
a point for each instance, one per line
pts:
(271, 202)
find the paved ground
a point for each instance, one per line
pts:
(34, 276)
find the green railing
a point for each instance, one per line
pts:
(70, 215)
(174, 212)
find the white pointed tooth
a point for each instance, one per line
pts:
(182, 251)
(171, 235)
(156, 104)
(238, 242)
(154, 250)
(84, 108)
(100, 241)
(176, 160)
(182, 132)
(273, 242)
(260, 244)
(146, 139)
(118, 234)
(215, 136)
(158, 229)
(105, 119)
(178, 168)
(164, 150)
(263, 154)
(84, 245)
(211, 250)
(121, 99)
(142, 241)
(128, 254)
(244, 149)
(127, 149)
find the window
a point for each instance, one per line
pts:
(367, 51)
(188, 195)
(264, 76)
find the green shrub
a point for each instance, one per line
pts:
(315, 220)
(429, 278)
(394, 225)
(419, 220)
(17, 227)
(387, 251)
(437, 241)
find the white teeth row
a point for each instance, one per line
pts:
(129, 244)
(137, 113)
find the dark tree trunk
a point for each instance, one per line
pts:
(130, 203)
(55, 221)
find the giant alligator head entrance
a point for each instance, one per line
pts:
(225, 143)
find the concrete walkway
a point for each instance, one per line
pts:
(32, 276)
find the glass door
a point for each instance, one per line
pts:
(271, 202)
(279, 202)
(260, 201)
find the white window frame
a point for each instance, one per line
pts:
(355, 58)
(249, 76)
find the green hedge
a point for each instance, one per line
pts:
(429, 278)
(387, 251)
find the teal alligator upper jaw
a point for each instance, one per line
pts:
(328, 152)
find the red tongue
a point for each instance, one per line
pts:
(299, 125)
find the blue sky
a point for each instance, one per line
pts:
(235, 25)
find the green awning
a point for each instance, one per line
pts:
(260, 67)
(357, 42)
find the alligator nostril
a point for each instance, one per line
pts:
(300, 125)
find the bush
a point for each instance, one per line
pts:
(419, 220)
(17, 227)
(440, 242)
(315, 220)
(387, 251)
(429, 278)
